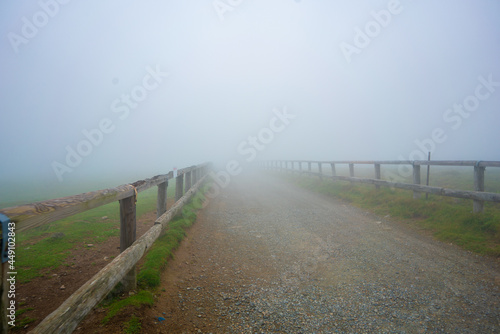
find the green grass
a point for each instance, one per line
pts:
(133, 326)
(143, 297)
(449, 219)
(161, 252)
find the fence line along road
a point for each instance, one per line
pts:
(478, 196)
(65, 318)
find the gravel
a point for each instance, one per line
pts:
(268, 257)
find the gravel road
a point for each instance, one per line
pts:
(268, 257)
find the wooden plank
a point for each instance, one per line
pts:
(445, 163)
(36, 214)
(482, 196)
(67, 316)
(142, 185)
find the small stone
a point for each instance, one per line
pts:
(104, 217)
(62, 287)
(90, 245)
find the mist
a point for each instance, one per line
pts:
(95, 92)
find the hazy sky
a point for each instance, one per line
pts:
(138, 87)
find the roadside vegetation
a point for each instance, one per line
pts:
(448, 219)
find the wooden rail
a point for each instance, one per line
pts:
(478, 196)
(122, 268)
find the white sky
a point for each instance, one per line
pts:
(226, 77)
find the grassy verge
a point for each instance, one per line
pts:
(156, 259)
(449, 219)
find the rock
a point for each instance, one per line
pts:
(62, 287)
(104, 217)
(90, 245)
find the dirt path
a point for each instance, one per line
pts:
(266, 257)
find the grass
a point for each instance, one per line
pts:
(141, 298)
(133, 326)
(161, 252)
(449, 219)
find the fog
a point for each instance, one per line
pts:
(99, 90)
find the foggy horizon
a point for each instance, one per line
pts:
(129, 90)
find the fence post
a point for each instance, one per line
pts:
(351, 172)
(161, 199)
(416, 179)
(188, 182)
(320, 171)
(334, 171)
(179, 184)
(377, 175)
(309, 166)
(127, 237)
(300, 168)
(478, 206)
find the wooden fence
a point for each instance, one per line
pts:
(65, 318)
(478, 196)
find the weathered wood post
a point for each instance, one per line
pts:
(179, 184)
(351, 172)
(478, 206)
(309, 166)
(334, 171)
(320, 170)
(416, 179)
(377, 175)
(161, 199)
(300, 167)
(196, 176)
(127, 236)
(188, 182)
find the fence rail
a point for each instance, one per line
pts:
(478, 196)
(122, 269)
